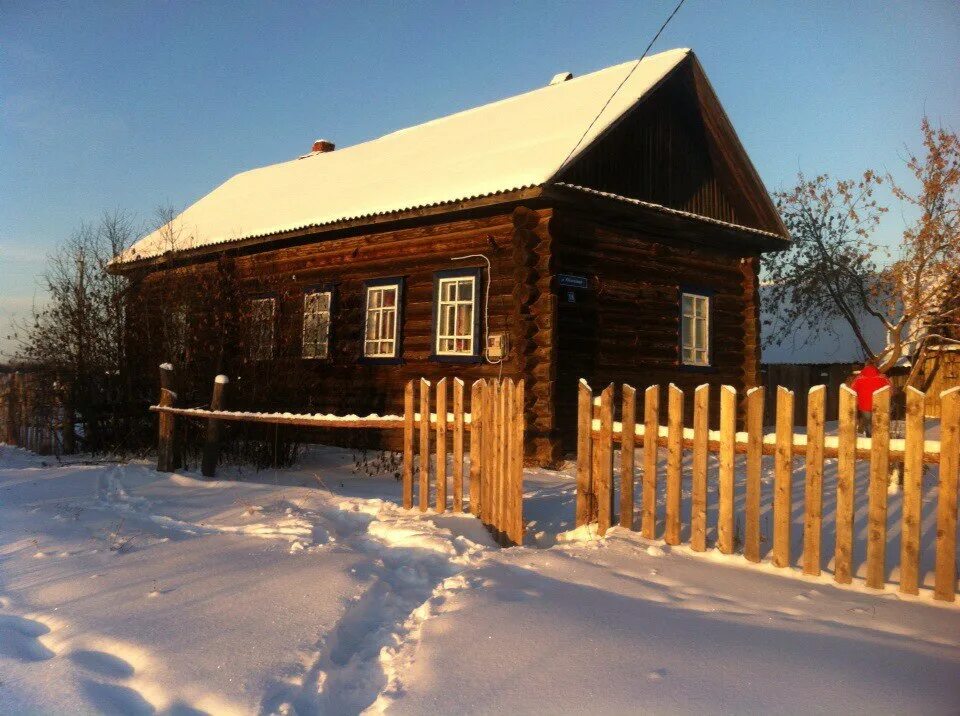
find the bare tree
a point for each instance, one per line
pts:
(834, 270)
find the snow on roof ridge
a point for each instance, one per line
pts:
(510, 144)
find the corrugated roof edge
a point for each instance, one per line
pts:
(669, 210)
(121, 260)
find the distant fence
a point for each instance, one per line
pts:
(598, 433)
(434, 432)
(31, 416)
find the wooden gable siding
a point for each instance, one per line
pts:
(521, 305)
(662, 152)
(625, 327)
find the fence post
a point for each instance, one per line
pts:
(813, 485)
(846, 485)
(441, 446)
(912, 493)
(603, 463)
(211, 445)
(12, 418)
(651, 437)
(877, 498)
(628, 437)
(584, 456)
(725, 484)
(166, 448)
(408, 452)
(457, 445)
(751, 515)
(698, 482)
(476, 445)
(945, 579)
(783, 478)
(424, 444)
(674, 464)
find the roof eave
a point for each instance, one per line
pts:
(380, 221)
(751, 238)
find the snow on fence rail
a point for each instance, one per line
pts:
(494, 486)
(598, 432)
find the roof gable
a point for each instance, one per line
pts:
(676, 149)
(514, 144)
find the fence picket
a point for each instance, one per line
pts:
(725, 483)
(674, 464)
(506, 518)
(603, 463)
(698, 487)
(754, 468)
(584, 454)
(476, 442)
(424, 444)
(408, 429)
(912, 493)
(519, 427)
(783, 478)
(441, 446)
(846, 485)
(813, 485)
(651, 432)
(457, 445)
(877, 496)
(945, 577)
(628, 438)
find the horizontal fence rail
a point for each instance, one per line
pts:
(483, 476)
(905, 458)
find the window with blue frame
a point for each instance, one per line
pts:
(382, 323)
(695, 329)
(456, 314)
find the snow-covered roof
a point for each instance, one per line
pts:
(513, 144)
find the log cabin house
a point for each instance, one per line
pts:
(605, 227)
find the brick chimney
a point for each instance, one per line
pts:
(322, 145)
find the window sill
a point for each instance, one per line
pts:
(690, 368)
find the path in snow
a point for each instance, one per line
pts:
(126, 591)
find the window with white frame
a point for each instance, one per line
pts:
(456, 313)
(316, 324)
(695, 329)
(262, 312)
(382, 315)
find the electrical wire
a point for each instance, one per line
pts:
(486, 302)
(619, 87)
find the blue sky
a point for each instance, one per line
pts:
(134, 104)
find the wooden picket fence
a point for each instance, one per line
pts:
(493, 485)
(434, 431)
(598, 432)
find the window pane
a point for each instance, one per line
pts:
(687, 332)
(687, 304)
(390, 297)
(466, 291)
(701, 337)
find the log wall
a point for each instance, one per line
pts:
(521, 305)
(625, 327)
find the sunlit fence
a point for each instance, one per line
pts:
(721, 484)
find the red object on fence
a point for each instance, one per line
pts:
(866, 384)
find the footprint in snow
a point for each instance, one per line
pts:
(102, 663)
(115, 699)
(19, 639)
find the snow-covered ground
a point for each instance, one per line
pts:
(309, 590)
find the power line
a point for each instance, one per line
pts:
(620, 86)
